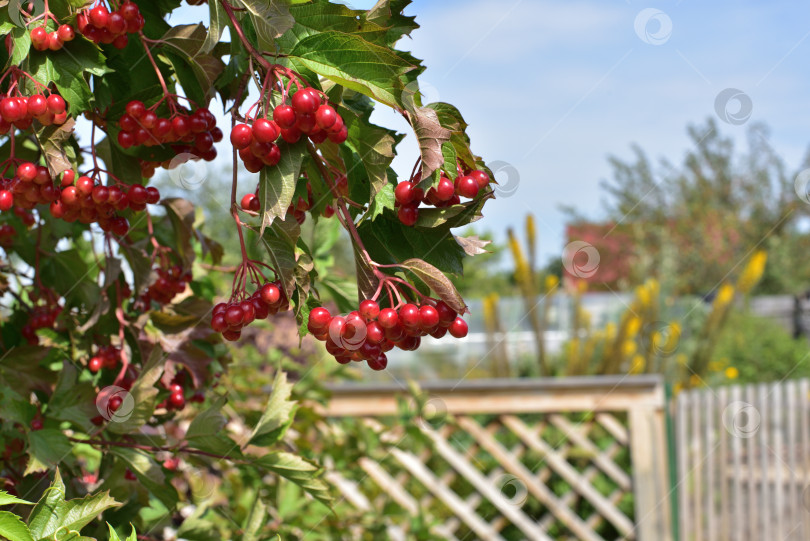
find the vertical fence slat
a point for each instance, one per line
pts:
(710, 461)
(737, 522)
(751, 460)
(794, 519)
(697, 457)
(777, 437)
(684, 475)
(723, 461)
(764, 467)
(804, 424)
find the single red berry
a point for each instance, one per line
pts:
(117, 24)
(241, 136)
(39, 38)
(339, 137)
(121, 41)
(36, 424)
(37, 105)
(85, 185)
(325, 116)
(409, 315)
(129, 476)
(265, 131)
(100, 16)
(408, 215)
(270, 293)
(428, 318)
(481, 178)
(100, 194)
(319, 318)
(369, 309)
(177, 400)
(446, 314)
(152, 195)
(231, 336)
(467, 186)
(129, 11)
(378, 363)
(56, 104)
(234, 315)
(119, 226)
(404, 192)
(284, 116)
(445, 189)
(6, 200)
(374, 333)
(247, 201)
(304, 101)
(137, 194)
(136, 109)
(66, 32)
(458, 328)
(388, 318)
(181, 126)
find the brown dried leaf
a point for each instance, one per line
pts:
(437, 281)
(472, 245)
(54, 140)
(431, 135)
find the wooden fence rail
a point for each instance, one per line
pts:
(518, 459)
(743, 461)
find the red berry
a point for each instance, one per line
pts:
(181, 126)
(428, 318)
(11, 110)
(119, 226)
(241, 136)
(304, 101)
(339, 137)
(408, 215)
(325, 116)
(445, 189)
(137, 194)
(284, 116)
(374, 333)
(152, 195)
(129, 11)
(248, 199)
(117, 24)
(369, 309)
(36, 424)
(37, 105)
(136, 109)
(404, 192)
(56, 104)
(481, 178)
(85, 185)
(100, 194)
(66, 32)
(409, 315)
(388, 318)
(446, 314)
(129, 476)
(458, 328)
(39, 38)
(121, 41)
(6, 200)
(467, 186)
(234, 315)
(265, 131)
(100, 16)
(231, 336)
(270, 293)
(319, 318)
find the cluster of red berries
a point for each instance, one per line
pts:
(298, 208)
(444, 194)
(42, 40)
(43, 316)
(21, 111)
(368, 332)
(195, 132)
(229, 318)
(171, 281)
(100, 25)
(7, 233)
(106, 357)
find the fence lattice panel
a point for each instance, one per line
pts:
(515, 459)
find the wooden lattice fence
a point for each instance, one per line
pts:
(578, 458)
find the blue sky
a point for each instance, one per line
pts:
(555, 87)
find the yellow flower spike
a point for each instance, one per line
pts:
(677, 388)
(629, 347)
(610, 330)
(551, 282)
(673, 336)
(654, 287)
(637, 364)
(643, 296)
(695, 381)
(732, 372)
(582, 286)
(521, 265)
(725, 295)
(531, 236)
(752, 273)
(633, 326)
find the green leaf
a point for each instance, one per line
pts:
(255, 521)
(114, 535)
(375, 147)
(12, 528)
(149, 474)
(22, 45)
(66, 68)
(47, 448)
(8, 499)
(298, 470)
(270, 19)
(45, 511)
(144, 395)
(438, 282)
(385, 199)
(208, 423)
(355, 63)
(277, 183)
(280, 239)
(218, 20)
(278, 414)
(73, 401)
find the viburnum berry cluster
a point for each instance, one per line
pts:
(229, 318)
(43, 314)
(20, 111)
(42, 40)
(193, 132)
(171, 281)
(101, 25)
(309, 114)
(298, 208)
(106, 357)
(409, 195)
(367, 333)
